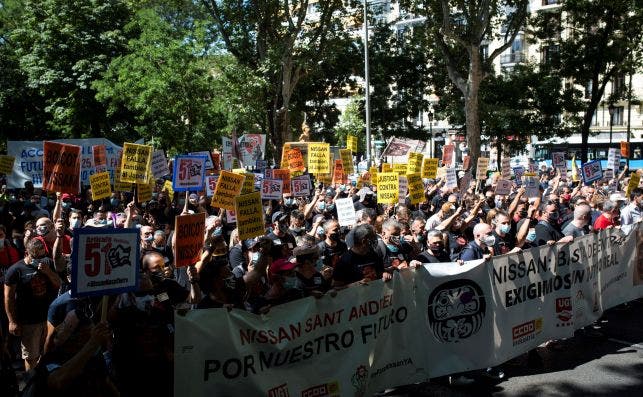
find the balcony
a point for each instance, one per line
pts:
(514, 57)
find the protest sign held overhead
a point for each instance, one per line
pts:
(400, 168)
(101, 186)
(210, 184)
(209, 164)
(447, 155)
(189, 231)
(338, 172)
(345, 211)
(248, 183)
(625, 149)
(100, 158)
(136, 162)
(318, 158)
(167, 186)
(415, 162)
(452, 178)
(402, 187)
(159, 164)
(249, 212)
(295, 159)
(271, 189)
(284, 175)
(189, 173)
(503, 187)
(481, 169)
(506, 168)
(351, 143)
(592, 171)
(416, 188)
(104, 261)
(144, 191)
(347, 160)
(558, 160)
(228, 186)
(6, 164)
(387, 187)
(301, 186)
(61, 168)
(429, 168)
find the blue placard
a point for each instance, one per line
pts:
(105, 261)
(189, 173)
(592, 171)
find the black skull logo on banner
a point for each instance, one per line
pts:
(456, 310)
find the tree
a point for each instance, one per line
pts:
(280, 42)
(458, 29)
(351, 122)
(62, 47)
(593, 42)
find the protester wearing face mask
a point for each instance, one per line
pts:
(631, 213)
(505, 240)
(310, 278)
(418, 233)
(547, 231)
(285, 286)
(332, 247)
(280, 234)
(224, 289)
(297, 225)
(436, 252)
(361, 264)
(99, 219)
(482, 244)
(75, 221)
(56, 242)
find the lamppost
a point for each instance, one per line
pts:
(610, 109)
(432, 147)
(367, 88)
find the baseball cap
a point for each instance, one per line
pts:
(279, 216)
(281, 265)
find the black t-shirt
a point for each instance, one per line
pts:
(546, 232)
(441, 257)
(354, 267)
(503, 244)
(331, 255)
(34, 291)
(316, 283)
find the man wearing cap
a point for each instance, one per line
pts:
(312, 282)
(280, 235)
(631, 213)
(361, 263)
(285, 286)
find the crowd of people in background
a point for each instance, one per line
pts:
(305, 252)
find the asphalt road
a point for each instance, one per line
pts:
(608, 365)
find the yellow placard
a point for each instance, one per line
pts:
(295, 160)
(416, 188)
(228, 187)
(284, 155)
(326, 179)
(386, 167)
(415, 162)
(387, 187)
(429, 168)
(135, 164)
(101, 185)
(239, 170)
(6, 164)
(144, 191)
(635, 179)
(170, 190)
(351, 143)
(249, 215)
(319, 158)
(400, 168)
(373, 172)
(347, 160)
(248, 183)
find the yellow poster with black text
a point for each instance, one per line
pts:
(249, 215)
(100, 185)
(387, 187)
(229, 185)
(136, 163)
(319, 158)
(416, 187)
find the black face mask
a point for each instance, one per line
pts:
(334, 236)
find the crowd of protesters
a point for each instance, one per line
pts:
(68, 351)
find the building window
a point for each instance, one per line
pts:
(549, 2)
(484, 51)
(516, 54)
(618, 84)
(549, 55)
(595, 118)
(617, 117)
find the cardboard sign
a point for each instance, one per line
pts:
(518, 173)
(447, 155)
(284, 175)
(120, 186)
(159, 164)
(635, 179)
(415, 162)
(403, 187)
(625, 149)
(295, 160)
(6, 164)
(532, 187)
(613, 159)
(189, 173)
(351, 143)
(416, 188)
(61, 168)
(101, 185)
(347, 160)
(209, 164)
(386, 167)
(387, 187)
(558, 160)
(271, 189)
(373, 175)
(301, 186)
(345, 211)
(228, 186)
(466, 162)
(249, 213)
(248, 183)
(144, 191)
(136, 162)
(452, 178)
(100, 158)
(189, 230)
(104, 261)
(506, 168)
(216, 160)
(592, 171)
(400, 168)
(319, 158)
(338, 172)
(481, 169)
(429, 168)
(503, 187)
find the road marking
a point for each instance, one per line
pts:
(626, 343)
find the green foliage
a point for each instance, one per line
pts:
(351, 122)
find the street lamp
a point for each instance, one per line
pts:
(367, 90)
(610, 109)
(432, 148)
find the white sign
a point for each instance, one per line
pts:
(105, 261)
(210, 184)
(230, 217)
(558, 160)
(252, 148)
(613, 159)
(403, 188)
(345, 211)
(300, 186)
(29, 156)
(208, 158)
(271, 189)
(532, 187)
(452, 178)
(189, 173)
(226, 152)
(503, 187)
(159, 164)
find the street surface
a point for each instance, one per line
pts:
(611, 365)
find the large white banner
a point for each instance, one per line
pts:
(432, 321)
(29, 155)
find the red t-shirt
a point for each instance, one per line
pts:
(50, 248)
(8, 255)
(602, 222)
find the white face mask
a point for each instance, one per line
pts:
(489, 240)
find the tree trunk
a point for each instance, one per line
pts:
(472, 106)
